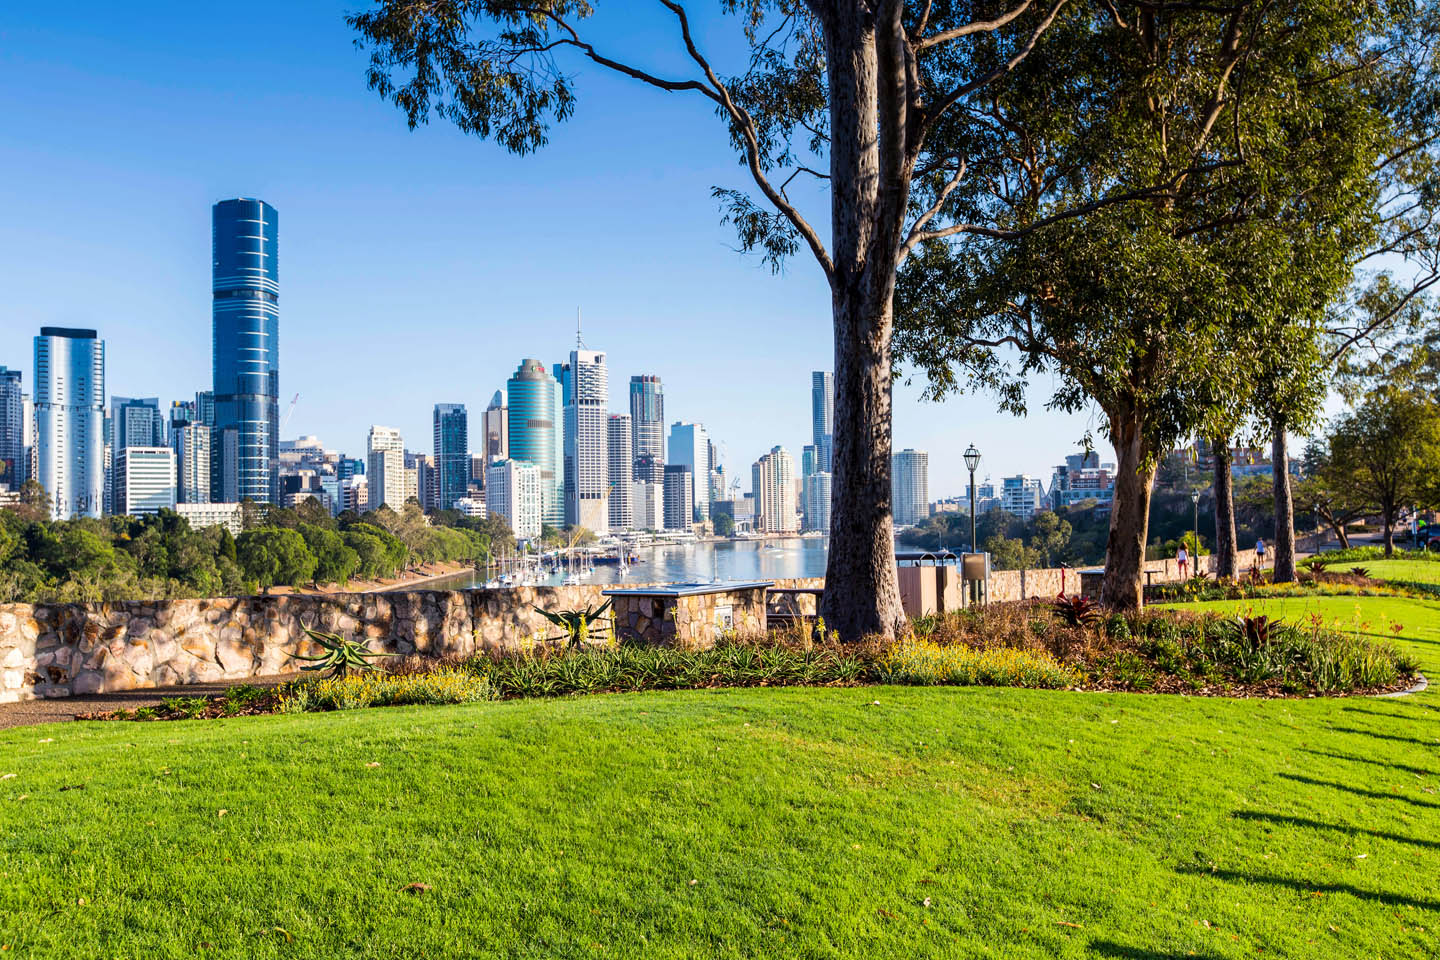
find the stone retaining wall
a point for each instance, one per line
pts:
(57, 650)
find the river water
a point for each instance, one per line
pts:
(703, 562)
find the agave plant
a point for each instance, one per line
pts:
(341, 654)
(1254, 631)
(1361, 572)
(576, 623)
(1076, 611)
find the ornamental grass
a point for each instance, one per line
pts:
(376, 689)
(924, 663)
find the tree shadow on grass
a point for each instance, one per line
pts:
(1309, 888)
(1387, 736)
(1308, 824)
(1107, 948)
(1360, 791)
(1418, 771)
(1402, 717)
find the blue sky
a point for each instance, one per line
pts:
(415, 267)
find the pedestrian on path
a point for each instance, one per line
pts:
(1260, 553)
(1182, 560)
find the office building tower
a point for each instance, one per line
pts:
(385, 468)
(70, 419)
(347, 467)
(133, 423)
(535, 433)
(910, 486)
(690, 447)
(205, 407)
(772, 480)
(422, 481)
(497, 432)
(181, 411)
(647, 425)
(822, 419)
(515, 490)
(452, 453)
(145, 480)
(648, 469)
(471, 507)
(679, 496)
(231, 516)
(620, 436)
(647, 505)
(246, 347)
(14, 462)
(191, 443)
(816, 497)
(585, 382)
(1021, 496)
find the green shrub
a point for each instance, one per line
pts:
(356, 691)
(630, 668)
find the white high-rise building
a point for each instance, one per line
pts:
(144, 480)
(191, 443)
(1022, 496)
(512, 491)
(385, 468)
(585, 386)
(231, 516)
(773, 482)
(910, 486)
(647, 504)
(817, 502)
(690, 447)
(620, 439)
(70, 420)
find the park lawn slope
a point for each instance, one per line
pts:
(1405, 571)
(745, 823)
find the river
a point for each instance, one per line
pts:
(690, 562)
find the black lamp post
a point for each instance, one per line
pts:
(972, 461)
(1195, 544)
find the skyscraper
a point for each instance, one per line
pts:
(144, 480)
(647, 425)
(822, 418)
(910, 485)
(622, 516)
(69, 420)
(772, 480)
(497, 431)
(191, 442)
(513, 491)
(452, 453)
(585, 382)
(679, 492)
(385, 467)
(246, 347)
(817, 502)
(13, 461)
(690, 447)
(133, 423)
(536, 435)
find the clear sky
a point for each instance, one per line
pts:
(419, 267)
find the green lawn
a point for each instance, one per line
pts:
(1409, 571)
(785, 823)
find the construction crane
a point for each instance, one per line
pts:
(285, 420)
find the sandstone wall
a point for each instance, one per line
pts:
(57, 650)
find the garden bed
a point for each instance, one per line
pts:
(1035, 644)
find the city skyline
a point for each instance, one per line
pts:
(665, 279)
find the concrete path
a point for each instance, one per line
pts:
(62, 709)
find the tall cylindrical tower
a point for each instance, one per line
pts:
(246, 349)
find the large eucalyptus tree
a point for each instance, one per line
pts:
(1245, 136)
(853, 92)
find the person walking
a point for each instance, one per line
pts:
(1260, 553)
(1182, 560)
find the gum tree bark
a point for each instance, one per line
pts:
(869, 179)
(1225, 551)
(1123, 586)
(1284, 546)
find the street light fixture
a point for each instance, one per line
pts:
(1195, 543)
(972, 460)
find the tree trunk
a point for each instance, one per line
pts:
(868, 200)
(1122, 587)
(1388, 512)
(1224, 509)
(1284, 546)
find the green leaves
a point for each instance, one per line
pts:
(341, 654)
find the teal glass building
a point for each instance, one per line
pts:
(537, 435)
